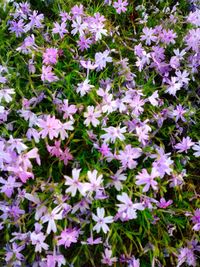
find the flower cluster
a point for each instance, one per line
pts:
(100, 140)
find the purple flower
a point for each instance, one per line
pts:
(9, 185)
(184, 145)
(17, 27)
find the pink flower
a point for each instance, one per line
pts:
(147, 179)
(50, 56)
(50, 126)
(120, 6)
(68, 236)
(48, 75)
(163, 204)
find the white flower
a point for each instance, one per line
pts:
(6, 94)
(84, 87)
(91, 116)
(113, 133)
(55, 214)
(78, 26)
(101, 221)
(95, 181)
(74, 183)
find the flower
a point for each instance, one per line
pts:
(184, 145)
(163, 204)
(127, 210)
(74, 183)
(120, 6)
(78, 26)
(101, 221)
(147, 179)
(196, 148)
(84, 87)
(148, 35)
(68, 236)
(102, 58)
(91, 116)
(50, 126)
(50, 56)
(48, 75)
(50, 217)
(117, 178)
(37, 239)
(9, 185)
(113, 133)
(128, 155)
(60, 29)
(107, 257)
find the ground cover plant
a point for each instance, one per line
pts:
(100, 140)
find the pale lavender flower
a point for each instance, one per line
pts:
(148, 35)
(107, 258)
(144, 178)
(184, 145)
(9, 185)
(48, 75)
(127, 210)
(102, 58)
(60, 29)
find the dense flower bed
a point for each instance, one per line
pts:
(99, 121)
